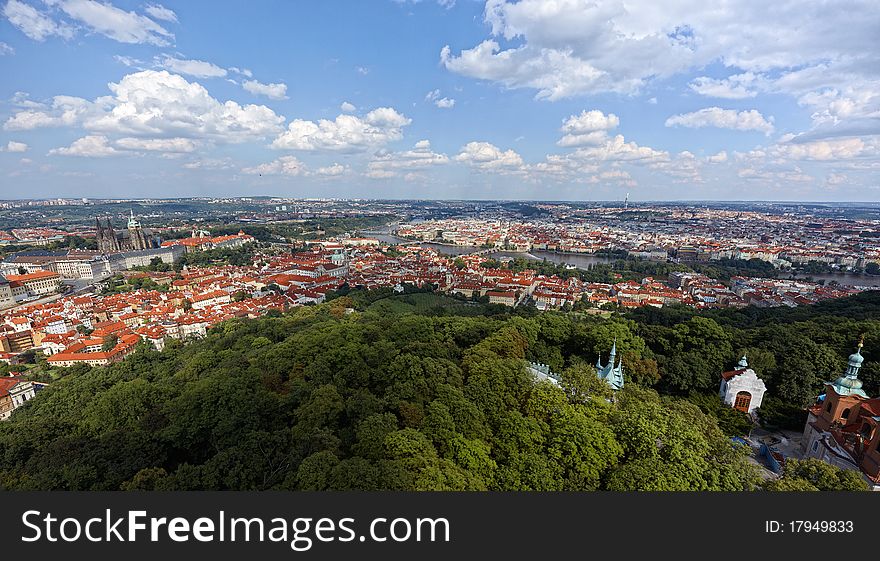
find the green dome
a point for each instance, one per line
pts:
(856, 358)
(848, 383)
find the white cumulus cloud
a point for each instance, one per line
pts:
(485, 156)
(567, 48)
(115, 23)
(285, 165)
(738, 86)
(155, 105)
(159, 11)
(13, 146)
(32, 22)
(346, 133)
(333, 170)
(196, 68)
(272, 91)
(718, 158)
(92, 146)
(590, 127)
(751, 120)
(388, 164)
(441, 102)
(180, 145)
(64, 111)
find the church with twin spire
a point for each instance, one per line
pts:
(134, 238)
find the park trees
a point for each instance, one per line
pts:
(430, 399)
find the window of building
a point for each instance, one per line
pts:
(866, 431)
(830, 405)
(845, 414)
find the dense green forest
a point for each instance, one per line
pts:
(420, 391)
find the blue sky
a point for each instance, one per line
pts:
(572, 99)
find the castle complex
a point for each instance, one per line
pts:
(134, 238)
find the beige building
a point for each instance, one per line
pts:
(505, 298)
(33, 285)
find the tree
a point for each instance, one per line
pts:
(274, 288)
(260, 342)
(815, 475)
(731, 421)
(109, 343)
(433, 398)
(673, 446)
(314, 472)
(581, 384)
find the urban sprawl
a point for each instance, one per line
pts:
(44, 308)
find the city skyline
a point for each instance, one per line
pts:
(440, 100)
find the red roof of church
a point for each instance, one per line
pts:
(732, 373)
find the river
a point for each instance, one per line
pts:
(851, 279)
(580, 260)
(587, 261)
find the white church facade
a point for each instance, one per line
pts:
(741, 388)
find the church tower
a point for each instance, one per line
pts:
(112, 238)
(843, 427)
(99, 235)
(136, 236)
(106, 235)
(611, 373)
(841, 396)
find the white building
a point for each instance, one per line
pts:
(14, 392)
(741, 388)
(94, 268)
(541, 372)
